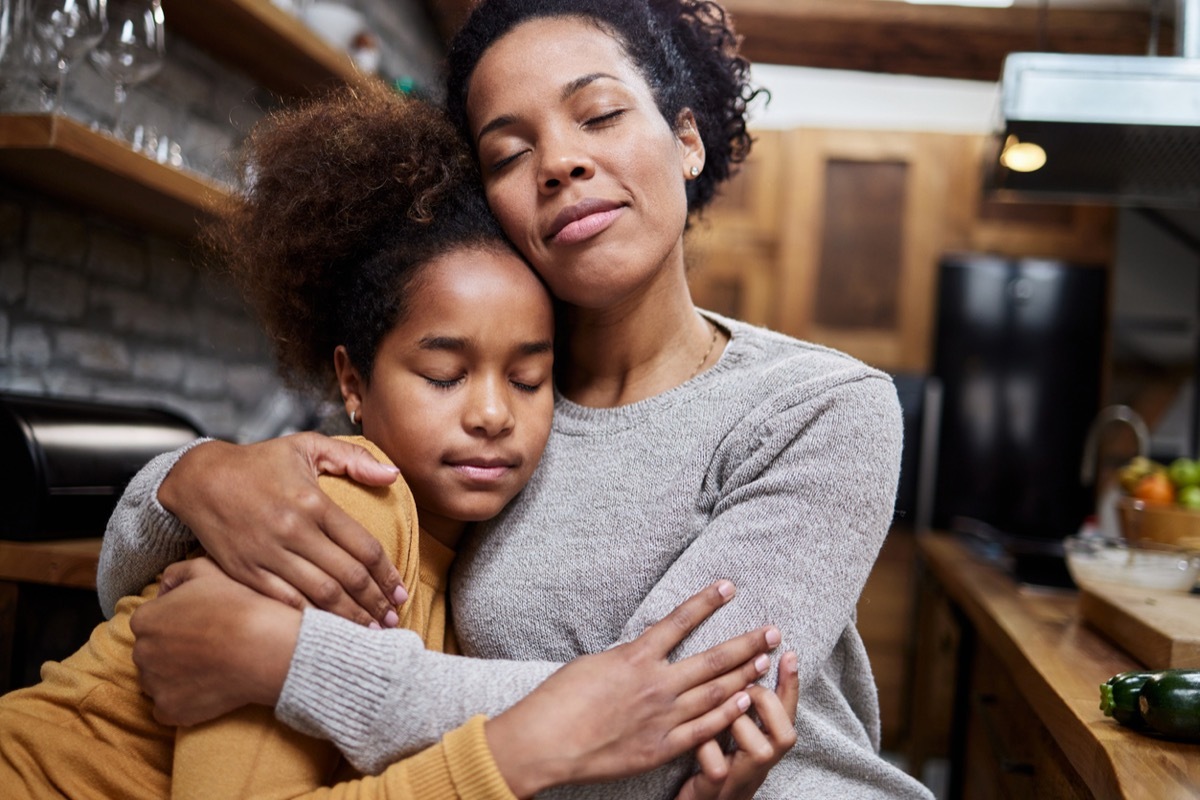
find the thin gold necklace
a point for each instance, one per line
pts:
(711, 346)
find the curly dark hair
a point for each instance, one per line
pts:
(346, 197)
(685, 49)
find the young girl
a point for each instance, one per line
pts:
(364, 236)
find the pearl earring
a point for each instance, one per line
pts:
(695, 172)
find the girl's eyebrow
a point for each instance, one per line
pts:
(455, 344)
(458, 344)
(569, 89)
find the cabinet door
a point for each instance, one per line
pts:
(863, 227)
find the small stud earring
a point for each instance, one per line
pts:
(353, 414)
(695, 172)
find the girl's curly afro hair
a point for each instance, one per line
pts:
(345, 198)
(685, 49)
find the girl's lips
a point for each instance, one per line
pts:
(586, 227)
(481, 473)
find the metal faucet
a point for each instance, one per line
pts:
(1108, 415)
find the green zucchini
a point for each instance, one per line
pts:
(1169, 702)
(1119, 698)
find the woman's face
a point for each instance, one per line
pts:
(581, 169)
(460, 394)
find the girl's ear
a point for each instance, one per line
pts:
(691, 146)
(350, 382)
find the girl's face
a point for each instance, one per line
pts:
(581, 169)
(460, 395)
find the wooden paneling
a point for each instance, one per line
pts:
(862, 244)
(884, 36)
(834, 236)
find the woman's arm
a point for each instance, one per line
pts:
(142, 537)
(601, 717)
(250, 506)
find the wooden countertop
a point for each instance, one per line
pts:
(61, 562)
(1058, 663)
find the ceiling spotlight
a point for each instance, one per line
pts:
(1022, 156)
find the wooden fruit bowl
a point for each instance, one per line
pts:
(1150, 522)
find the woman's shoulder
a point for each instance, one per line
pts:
(777, 364)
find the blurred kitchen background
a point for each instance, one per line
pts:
(875, 215)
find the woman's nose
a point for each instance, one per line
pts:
(489, 412)
(562, 164)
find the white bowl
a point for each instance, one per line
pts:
(1095, 560)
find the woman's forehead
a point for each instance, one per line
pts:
(547, 54)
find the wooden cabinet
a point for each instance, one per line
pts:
(65, 158)
(834, 236)
(1023, 671)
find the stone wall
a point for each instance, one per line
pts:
(91, 308)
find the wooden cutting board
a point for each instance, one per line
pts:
(1159, 629)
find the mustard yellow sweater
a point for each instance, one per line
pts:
(87, 731)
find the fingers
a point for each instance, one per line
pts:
(698, 700)
(714, 766)
(180, 573)
(693, 733)
(664, 635)
(335, 457)
(731, 655)
(787, 687)
(368, 576)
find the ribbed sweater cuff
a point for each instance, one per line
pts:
(337, 677)
(461, 767)
(164, 531)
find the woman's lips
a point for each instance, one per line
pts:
(583, 220)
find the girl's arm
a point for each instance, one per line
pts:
(601, 717)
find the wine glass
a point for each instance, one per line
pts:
(130, 52)
(6, 25)
(64, 30)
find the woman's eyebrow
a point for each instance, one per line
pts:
(571, 88)
(582, 81)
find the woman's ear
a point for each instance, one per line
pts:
(350, 382)
(691, 146)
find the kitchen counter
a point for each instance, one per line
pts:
(1023, 648)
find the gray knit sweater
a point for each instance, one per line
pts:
(776, 468)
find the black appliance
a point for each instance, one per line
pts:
(66, 462)
(1018, 353)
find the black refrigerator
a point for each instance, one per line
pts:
(1018, 350)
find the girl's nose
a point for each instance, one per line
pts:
(488, 411)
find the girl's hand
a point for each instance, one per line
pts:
(208, 645)
(260, 515)
(737, 775)
(628, 709)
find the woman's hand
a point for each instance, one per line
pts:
(260, 515)
(208, 645)
(737, 775)
(628, 710)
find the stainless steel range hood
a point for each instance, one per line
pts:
(1114, 129)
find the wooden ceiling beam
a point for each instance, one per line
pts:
(901, 38)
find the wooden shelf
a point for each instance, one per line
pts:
(63, 562)
(62, 157)
(271, 46)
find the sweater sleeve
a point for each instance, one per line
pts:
(459, 767)
(142, 538)
(805, 501)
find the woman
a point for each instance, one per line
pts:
(685, 445)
